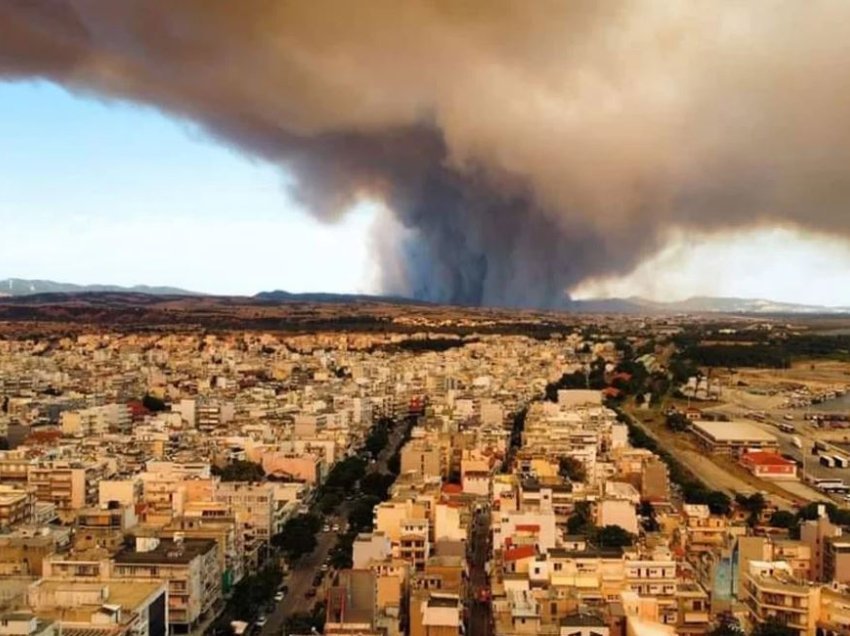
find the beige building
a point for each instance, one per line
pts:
(191, 569)
(116, 608)
(17, 505)
(815, 533)
(68, 485)
(772, 592)
(422, 459)
(836, 560)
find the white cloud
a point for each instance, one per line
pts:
(776, 264)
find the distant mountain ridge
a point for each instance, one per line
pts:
(703, 304)
(19, 287)
(280, 296)
(25, 287)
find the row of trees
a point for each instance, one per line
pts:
(694, 490)
(248, 596)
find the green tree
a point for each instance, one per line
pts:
(613, 537)
(572, 469)
(783, 519)
(239, 470)
(376, 485)
(773, 627)
(298, 536)
(579, 522)
(328, 501)
(153, 403)
(252, 592)
(718, 502)
(378, 437)
(754, 505)
(727, 625)
(341, 554)
(676, 421)
(306, 622)
(345, 474)
(360, 513)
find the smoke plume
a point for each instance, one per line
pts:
(525, 146)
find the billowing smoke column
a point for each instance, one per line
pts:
(524, 146)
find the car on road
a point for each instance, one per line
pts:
(310, 593)
(279, 596)
(326, 528)
(261, 622)
(335, 527)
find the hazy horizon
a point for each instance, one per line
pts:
(710, 176)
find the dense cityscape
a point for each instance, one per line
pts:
(424, 318)
(593, 480)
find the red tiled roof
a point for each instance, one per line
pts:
(455, 489)
(528, 527)
(765, 459)
(520, 552)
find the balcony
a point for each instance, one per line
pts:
(695, 617)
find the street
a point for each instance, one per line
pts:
(479, 606)
(300, 579)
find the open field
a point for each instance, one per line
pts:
(718, 472)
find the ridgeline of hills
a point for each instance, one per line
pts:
(23, 287)
(19, 289)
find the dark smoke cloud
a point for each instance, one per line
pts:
(525, 146)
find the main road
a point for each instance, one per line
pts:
(479, 582)
(300, 579)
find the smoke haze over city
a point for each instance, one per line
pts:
(520, 150)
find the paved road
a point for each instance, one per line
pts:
(479, 611)
(300, 579)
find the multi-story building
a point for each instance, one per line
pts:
(189, 566)
(253, 506)
(69, 485)
(771, 592)
(17, 505)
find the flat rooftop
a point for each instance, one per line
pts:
(168, 552)
(128, 594)
(736, 431)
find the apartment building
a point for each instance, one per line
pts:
(253, 506)
(815, 533)
(702, 531)
(772, 592)
(68, 485)
(114, 608)
(17, 505)
(189, 566)
(96, 421)
(836, 560)
(423, 459)
(103, 526)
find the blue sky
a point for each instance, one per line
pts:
(113, 193)
(109, 192)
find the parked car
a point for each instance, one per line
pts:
(262, 621)
(310, 593)
(279, 596)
